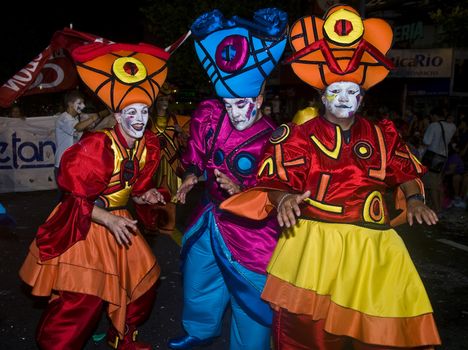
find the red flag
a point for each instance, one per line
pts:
(57, 74)
(51, 71)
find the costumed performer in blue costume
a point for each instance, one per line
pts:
(224, 256)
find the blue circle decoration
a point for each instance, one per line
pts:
(218, 157)
(244, 163)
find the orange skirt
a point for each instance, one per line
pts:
(361, 282)
(96, 266)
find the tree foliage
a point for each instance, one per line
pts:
(452, 18)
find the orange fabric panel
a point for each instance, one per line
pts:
(397, 332)
(293, 331)
(96, 266)
(253, 204)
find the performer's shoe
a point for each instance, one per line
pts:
(188, 342)
(128, 342)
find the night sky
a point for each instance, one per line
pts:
(27, 29)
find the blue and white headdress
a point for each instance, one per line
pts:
(238, 54)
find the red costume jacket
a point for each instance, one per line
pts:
(347, 174)
(87, 174)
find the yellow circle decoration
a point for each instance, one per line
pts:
(129, 70)
(343, 39)
(280, 134)
(363, 150)
(374, 208)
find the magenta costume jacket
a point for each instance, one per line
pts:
(215, 144)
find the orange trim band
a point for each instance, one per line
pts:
(279, 163)
(380, 173)
(140, 148)
(323, 184)
(389, 331)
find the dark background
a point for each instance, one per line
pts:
(27, 27)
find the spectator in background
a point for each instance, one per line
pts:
(436, 139)
(462, 136)
(70, 124)
(15, 112)
(402, 127)
(454, 173)
(422, 123)
(276, 109)
(415, 144)
(267, 110)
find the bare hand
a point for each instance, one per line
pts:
(416, 209)
(152, 196)
(226, 183)
(288, 208)
(122, 228)
(185, 188)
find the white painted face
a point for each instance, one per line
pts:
(342, 99)
(243, 112)
(78, 105)
(133, 119)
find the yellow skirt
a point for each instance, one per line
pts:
(96, 266)
(361, 281)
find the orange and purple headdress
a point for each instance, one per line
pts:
(122, 74)
(340, 47)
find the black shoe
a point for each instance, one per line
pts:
(188, 342)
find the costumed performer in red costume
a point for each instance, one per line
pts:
(340, 276)
(89, 252)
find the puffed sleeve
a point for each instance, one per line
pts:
(85, 170)
(201, 130)
(402, 164)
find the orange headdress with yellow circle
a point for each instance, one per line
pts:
(340, 47)
(122, 74)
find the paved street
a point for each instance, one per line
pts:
(440, 254)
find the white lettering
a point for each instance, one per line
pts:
(418, 60)
(58, 80)
(409, 32)
(18, 80)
